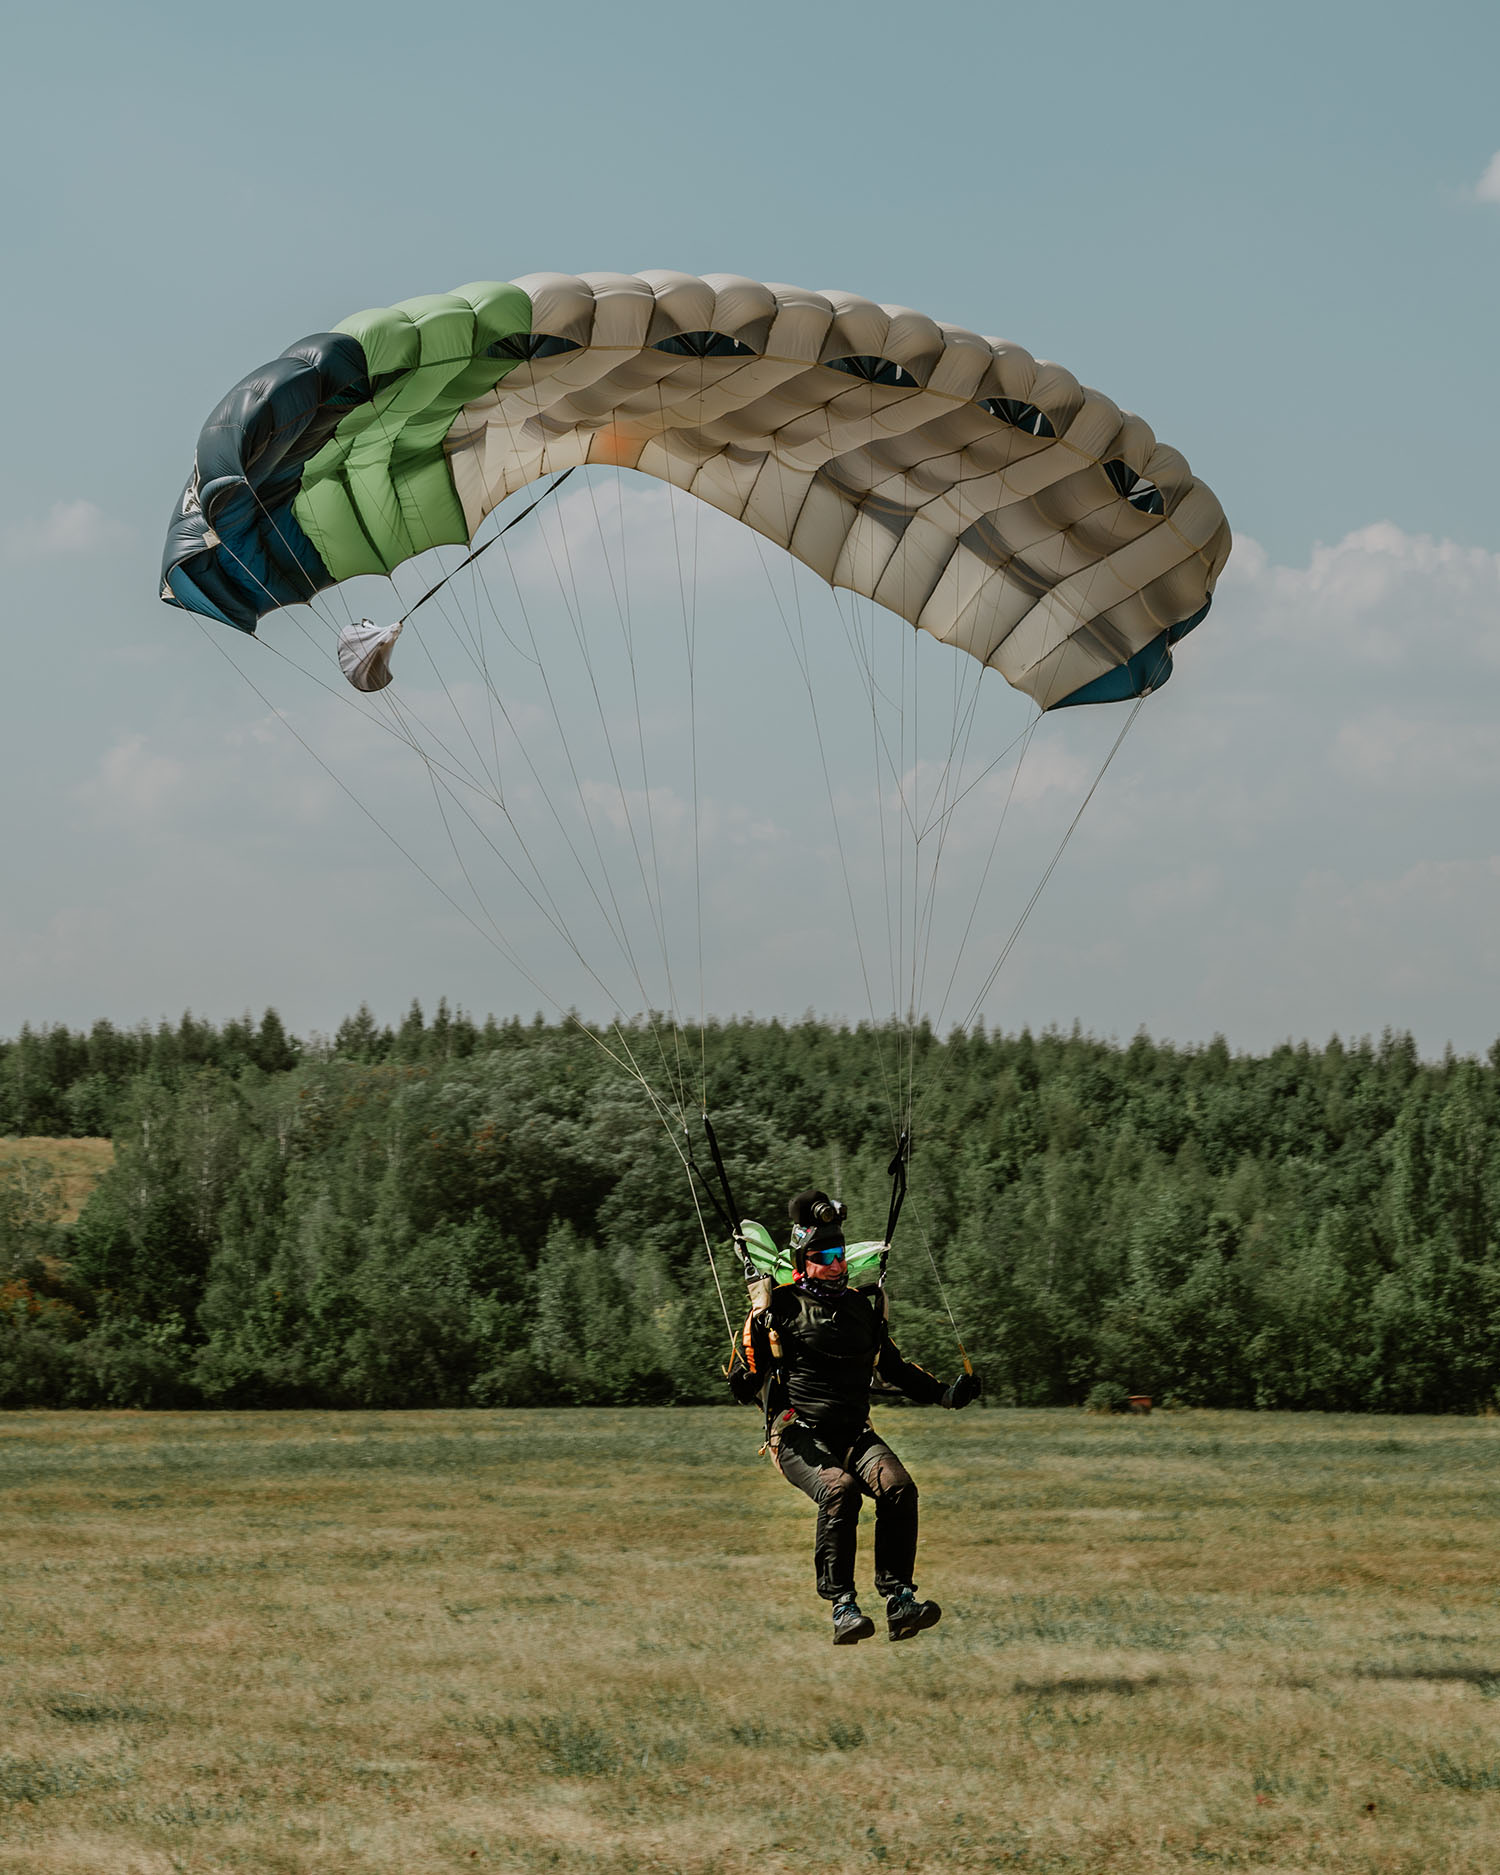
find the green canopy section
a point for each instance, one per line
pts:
(863, 1259)
(380, 490)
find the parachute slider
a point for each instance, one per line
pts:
(365, 653)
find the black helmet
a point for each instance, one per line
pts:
(817, 1223)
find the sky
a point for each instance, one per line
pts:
(1276, 235)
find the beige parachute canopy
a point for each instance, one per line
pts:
(984, 496)
(988, 499)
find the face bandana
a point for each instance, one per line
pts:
(816, 1285)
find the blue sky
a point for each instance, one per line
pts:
(1269, 231)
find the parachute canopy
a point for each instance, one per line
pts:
(986, 497)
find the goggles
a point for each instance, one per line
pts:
(830, 1253)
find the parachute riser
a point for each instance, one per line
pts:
(896, 1172)
(731, 1211)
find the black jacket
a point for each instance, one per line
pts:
(832, 1347)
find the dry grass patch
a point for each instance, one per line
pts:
(395, 1643)
(77, 1165)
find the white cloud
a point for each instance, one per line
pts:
(1380, 595)
(1390, 748)
(643, 812)
(68, 528)
(1432, 924)
(1487, 189)
(134, 786)
(1175, 897)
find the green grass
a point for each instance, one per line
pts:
(399, 1643)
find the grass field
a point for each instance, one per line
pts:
(76, 1164)
(587, 1641)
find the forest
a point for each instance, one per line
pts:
(449, 1213)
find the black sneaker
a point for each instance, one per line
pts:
(905, 1616)
(849, 1625)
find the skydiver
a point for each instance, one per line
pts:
(810, 1354)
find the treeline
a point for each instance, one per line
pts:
(58, 1081)
(448, 1213)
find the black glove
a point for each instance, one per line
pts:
(744, 1385)
(967, 1387)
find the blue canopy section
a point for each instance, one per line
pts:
(235, 551)
(1148, 670)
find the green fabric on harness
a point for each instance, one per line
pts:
(863, 1258)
